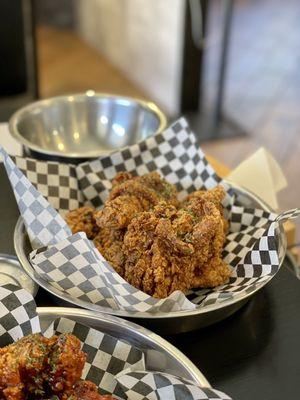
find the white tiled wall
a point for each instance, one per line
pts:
(143, 38)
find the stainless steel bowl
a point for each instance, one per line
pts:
(160, 355)
(83, 126)
(164, 323)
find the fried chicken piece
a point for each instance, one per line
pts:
(118, 213)
(109, 242)
(86, 390)
(208, 237)
(66, 361)
(215, 195)
(21, 366)
(168, 249)
(82, 220)
(35, 366)
(132, 195)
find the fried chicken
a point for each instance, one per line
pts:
(86, 390)
(131, 195)
(215, 195)
(109, 242)
(168, 249)
(82, 220)
(156, 243)
(39, 368)
(35, 366)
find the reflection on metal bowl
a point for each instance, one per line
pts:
(83, 126)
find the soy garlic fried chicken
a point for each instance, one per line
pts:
(39, 368)
(36, 365)
(86, 390)
(131, 195)
(169, 249)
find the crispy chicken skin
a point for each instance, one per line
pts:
(215, 195)
(131, 195)
(169, 249)
(156, 243)
(109, 242)
(39, 368)
(85, 390)
(82, 220)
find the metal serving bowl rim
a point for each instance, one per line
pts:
(68, 312)
(15, 118)
(19, 237)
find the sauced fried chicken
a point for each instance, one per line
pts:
(86, 390)
(170, 249)
(154, 242)
(39, 368)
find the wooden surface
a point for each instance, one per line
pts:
(220, 168)
(67, 64)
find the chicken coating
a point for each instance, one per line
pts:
(168, 249)
(109, 242)
(156, 243)
(36, 366)
(85, 390)
(66, 361)
(82, 220)
(131, 195)
(215, 195)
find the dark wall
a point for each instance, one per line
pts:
(13, 74)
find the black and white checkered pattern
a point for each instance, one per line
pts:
(290, 214)
(43, 224)
(56, 182)
(106, 355)
(143, 385)
(18, 315)
(174, 153)
(73, 265)
(76, 267)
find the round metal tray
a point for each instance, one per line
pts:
(160, 355)
(164, 323)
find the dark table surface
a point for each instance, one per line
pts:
(254, 354)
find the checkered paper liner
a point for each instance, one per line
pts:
(72, 264)
(140, 385)
(107, 356)
(110, 361)
(18, 315)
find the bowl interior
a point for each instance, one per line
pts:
(85, 126)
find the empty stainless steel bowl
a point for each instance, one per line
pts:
(83, 126)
